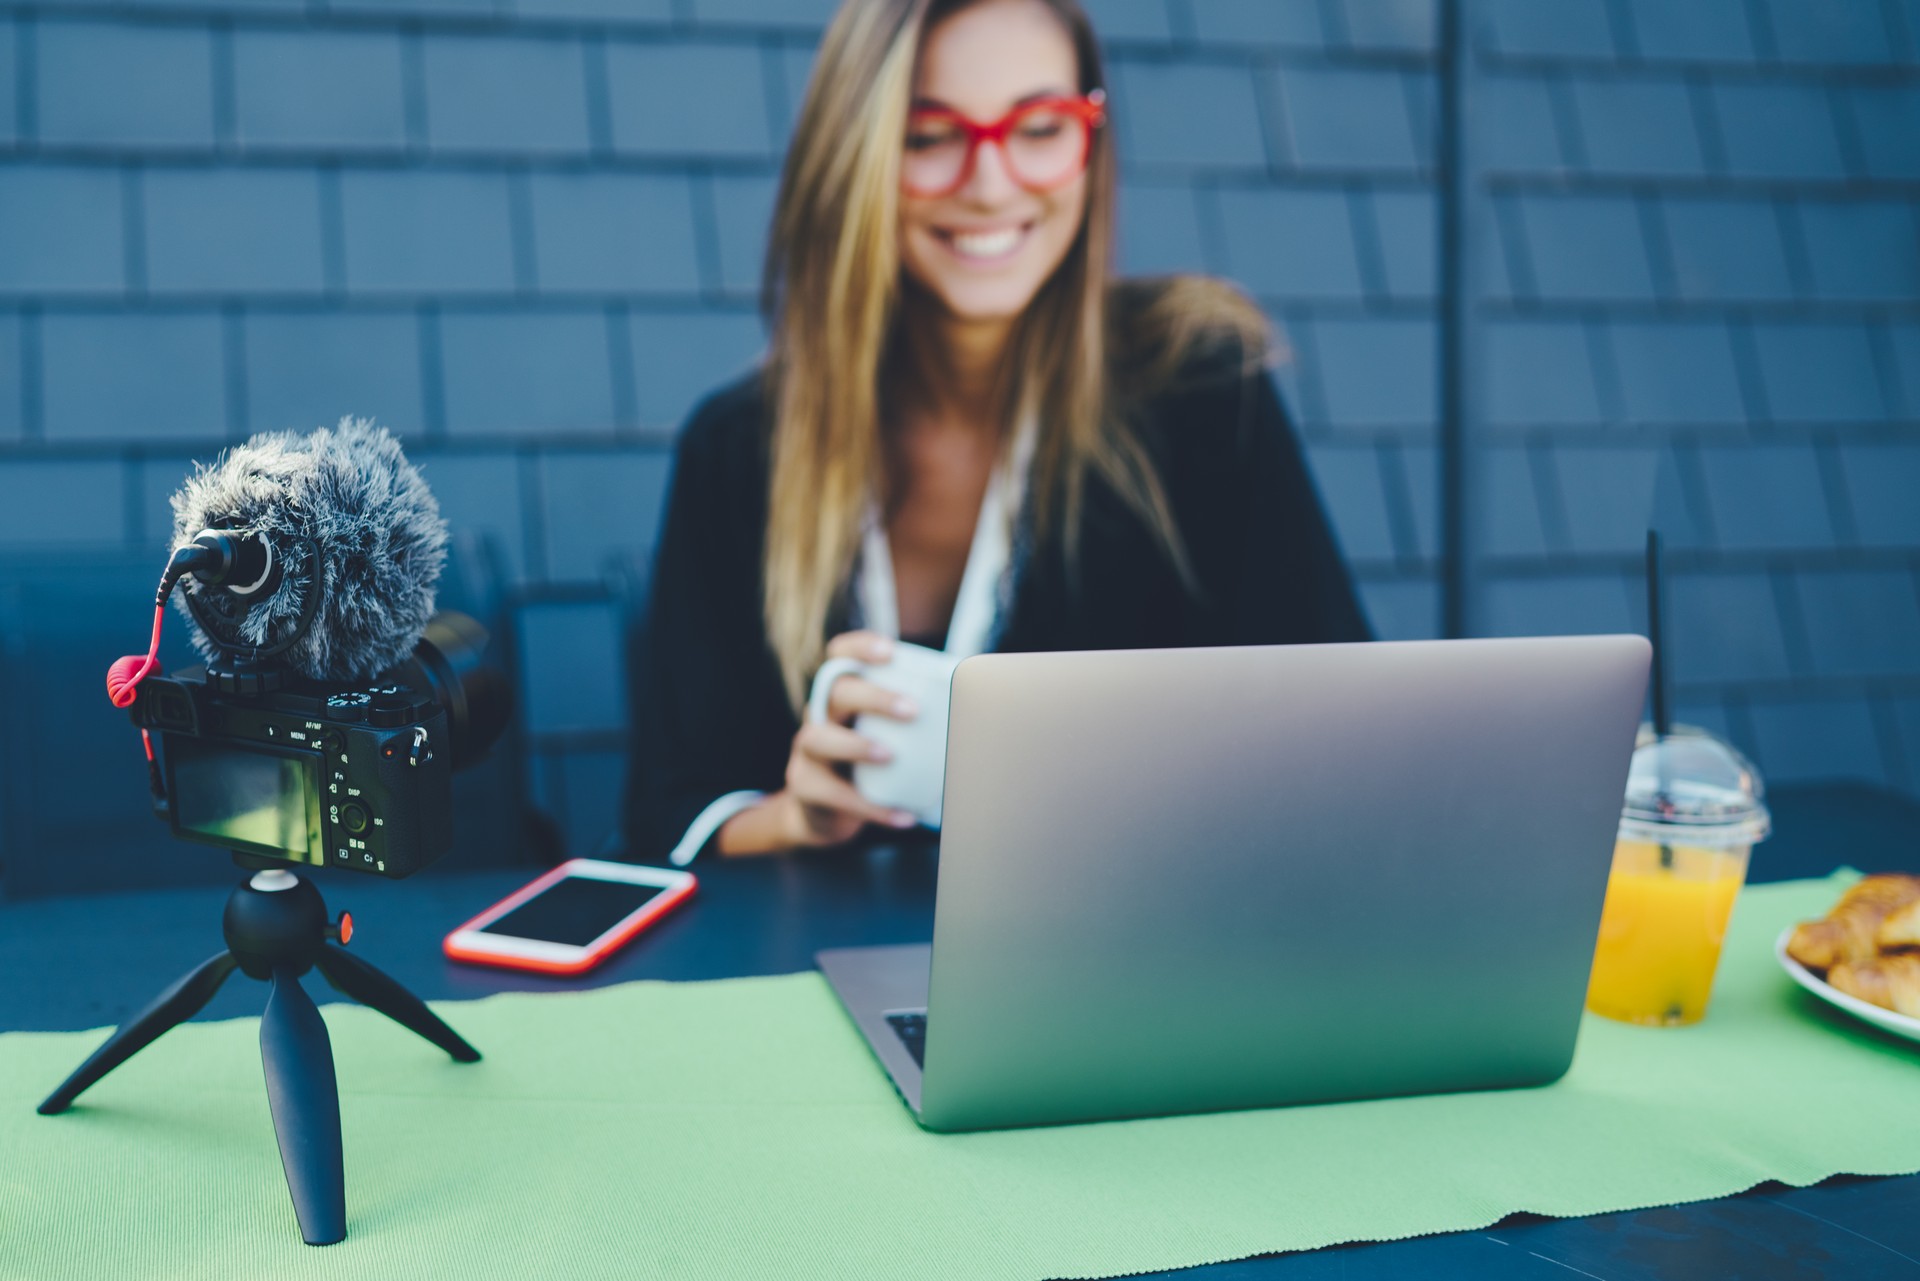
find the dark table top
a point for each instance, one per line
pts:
(97, 958)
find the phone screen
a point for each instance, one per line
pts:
(575, 910)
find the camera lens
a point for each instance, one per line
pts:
(456, 661)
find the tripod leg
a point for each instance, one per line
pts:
(355, 978)
(175, 1005)
(305, 1100)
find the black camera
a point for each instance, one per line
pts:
(281, 769)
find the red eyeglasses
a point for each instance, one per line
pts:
(1045, 143)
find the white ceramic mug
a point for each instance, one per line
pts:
(915, 778)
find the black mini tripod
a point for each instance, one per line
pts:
(277, 929)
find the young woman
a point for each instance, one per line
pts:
(955, 388)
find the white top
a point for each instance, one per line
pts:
(985, 588)
(984, 584)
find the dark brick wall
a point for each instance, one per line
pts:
(526, 235)
(1701, 312)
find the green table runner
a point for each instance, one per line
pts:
(740, 1129)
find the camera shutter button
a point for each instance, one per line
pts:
(391, 711)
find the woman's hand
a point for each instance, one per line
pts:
(819, 804)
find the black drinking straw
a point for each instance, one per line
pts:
(1661, 725)
(1656, 634)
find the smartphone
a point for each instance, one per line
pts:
(571, 919)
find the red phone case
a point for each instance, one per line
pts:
(611, 943)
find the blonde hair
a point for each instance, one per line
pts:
(831, 294)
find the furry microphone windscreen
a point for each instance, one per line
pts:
(381, 538)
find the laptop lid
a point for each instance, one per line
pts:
(1184, 880)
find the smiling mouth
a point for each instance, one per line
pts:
(985, 246)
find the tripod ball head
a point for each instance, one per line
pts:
(275, 920)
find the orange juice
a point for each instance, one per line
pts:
(1661, 930)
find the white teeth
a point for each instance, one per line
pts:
(986, 244)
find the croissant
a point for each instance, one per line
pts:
(1892, 982)
(1849, 932)
(1901, 928)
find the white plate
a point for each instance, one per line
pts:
(1898, 1024)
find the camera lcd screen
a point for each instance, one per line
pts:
(245, 798)
(575, 910)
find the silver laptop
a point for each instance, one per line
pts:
(1188, 880)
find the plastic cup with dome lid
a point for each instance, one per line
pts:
(1694, 809)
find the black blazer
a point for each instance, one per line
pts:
(710, 714)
